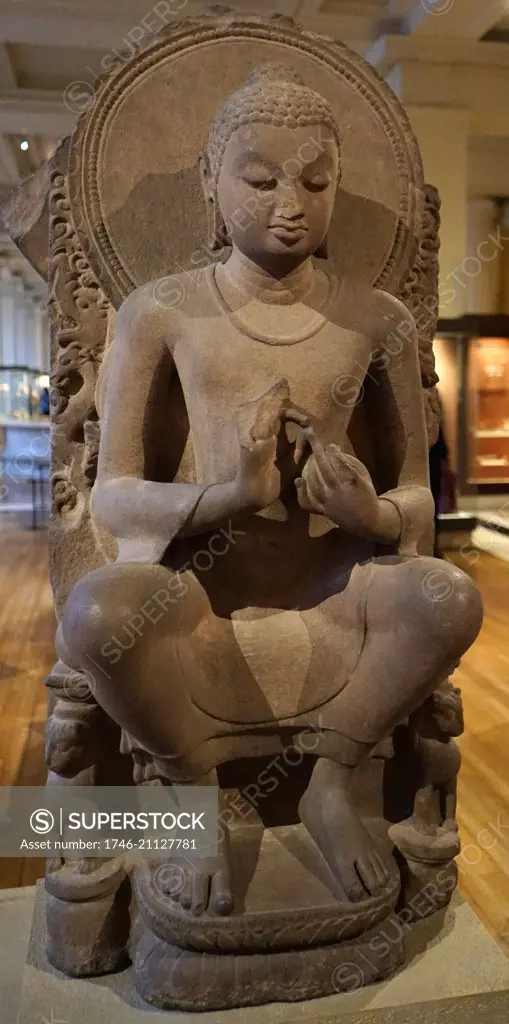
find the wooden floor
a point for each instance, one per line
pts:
(26, 654)
(483, 810)
(27, 628)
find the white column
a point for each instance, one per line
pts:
(19, 320)
(442, 134)
(7, 316)
(39, 345)
(483, 264)
(46, 363)
(30, 350)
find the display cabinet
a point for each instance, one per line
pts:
(20, 392)
(487, 390)
(473, 364)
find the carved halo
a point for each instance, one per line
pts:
(136, 197)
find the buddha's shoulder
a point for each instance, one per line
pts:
(390, 309)
(369, 310)
(170, 299)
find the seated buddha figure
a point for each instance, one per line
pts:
(273, 579)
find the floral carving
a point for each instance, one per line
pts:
(92, 433)
(420, 294)
(64, 493)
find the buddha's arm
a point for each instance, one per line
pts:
(339, 486)
(142, 514)
(407, 510)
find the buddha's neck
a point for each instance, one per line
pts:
(256, 283)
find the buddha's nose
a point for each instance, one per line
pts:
(288, 205)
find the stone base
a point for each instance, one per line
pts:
(289, 937)
(454, 974)
(169, 977)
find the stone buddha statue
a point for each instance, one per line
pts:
(263, 468)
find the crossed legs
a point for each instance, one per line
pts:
(421, 616)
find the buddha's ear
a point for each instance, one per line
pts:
(207, 183)
(217, 235)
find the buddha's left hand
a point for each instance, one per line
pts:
(338, 486)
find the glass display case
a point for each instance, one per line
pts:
(20, 392)
(487, 395)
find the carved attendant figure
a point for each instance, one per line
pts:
(432, 758)
(259, 406)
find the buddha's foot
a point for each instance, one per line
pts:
(201, 886)
(359, 867)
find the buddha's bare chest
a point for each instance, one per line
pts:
(220, 368)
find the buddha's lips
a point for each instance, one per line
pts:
(291, 231)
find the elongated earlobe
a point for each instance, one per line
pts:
(217, 235)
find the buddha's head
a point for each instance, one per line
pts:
(271, 169)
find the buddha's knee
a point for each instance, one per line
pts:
(447, 606)
(113, 608)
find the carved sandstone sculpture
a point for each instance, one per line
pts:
(262, 467)
(428, 750)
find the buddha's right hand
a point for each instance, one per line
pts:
(258, 480)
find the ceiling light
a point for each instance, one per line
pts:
(23, 145)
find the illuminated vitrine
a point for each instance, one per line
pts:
(20, 392)
(487, 406)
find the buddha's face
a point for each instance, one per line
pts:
(276, 191)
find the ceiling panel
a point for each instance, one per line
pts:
(53, 67)
(106, 10)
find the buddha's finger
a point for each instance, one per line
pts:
(337, 455)
(296, 416)
(314, 479)
(321, 460)
(303, 496)
(316, 444)
(301, 419)
(300, 447)
(345, 466)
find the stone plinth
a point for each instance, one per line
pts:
(454, 974)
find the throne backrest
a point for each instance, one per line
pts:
(120, 203)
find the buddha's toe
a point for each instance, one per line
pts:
(369, 874)
(201, 890)
(360, 870)
(185, 895)
(221, 899)
(348, 879)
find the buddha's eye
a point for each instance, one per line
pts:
(317, 182)
(261, 184)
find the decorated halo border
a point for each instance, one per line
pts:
(189, 34)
